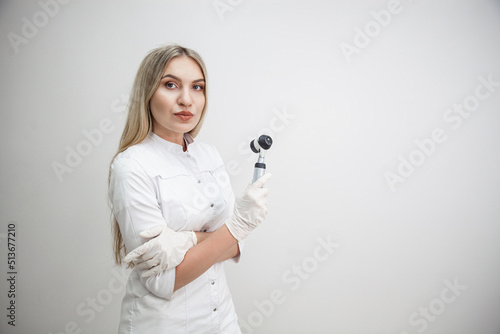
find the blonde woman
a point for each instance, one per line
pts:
(173, 205)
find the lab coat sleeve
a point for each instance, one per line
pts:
(136, 209)
(237, 258)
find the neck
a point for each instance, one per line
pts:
(173, 138)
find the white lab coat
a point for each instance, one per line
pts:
(153, 183)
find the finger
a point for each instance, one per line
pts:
(151, 272)
(146, 257)
(152, 232)
(136, 253)
(147, 264)
(264, 192)
(142, 266)
(153, 262)
(261, 181)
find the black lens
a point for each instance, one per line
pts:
(265, 142)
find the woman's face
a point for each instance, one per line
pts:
(177, 104)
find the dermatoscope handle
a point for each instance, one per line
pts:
(259, 170)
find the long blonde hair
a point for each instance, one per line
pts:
(140, 121)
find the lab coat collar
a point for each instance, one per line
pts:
(172, 147)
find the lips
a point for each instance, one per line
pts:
(184, 115)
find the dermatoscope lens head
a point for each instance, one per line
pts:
(263, 142)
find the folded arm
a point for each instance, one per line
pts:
(213, 249)
(231, 253)
(249, 212)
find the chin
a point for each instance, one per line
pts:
(185, 129)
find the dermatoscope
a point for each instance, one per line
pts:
(260, 145)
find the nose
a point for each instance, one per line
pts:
(185, 98)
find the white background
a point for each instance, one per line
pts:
(350, 120)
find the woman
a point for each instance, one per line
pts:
(166, 187)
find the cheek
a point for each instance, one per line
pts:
(201, 101)
(161, 101)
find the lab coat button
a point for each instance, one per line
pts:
(215, 310)
(212, 205)
(212, 282)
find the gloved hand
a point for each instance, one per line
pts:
(165, 250)
(250, 209)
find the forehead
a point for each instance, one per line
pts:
(184, 67)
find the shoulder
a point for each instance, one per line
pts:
(207, 148)
(133, 158)
(208, 153)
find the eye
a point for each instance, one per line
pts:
(170, 84)
(198, 87)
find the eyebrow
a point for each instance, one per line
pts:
(178, 79)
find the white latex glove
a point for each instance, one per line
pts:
(166, 249)
(250, 209)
